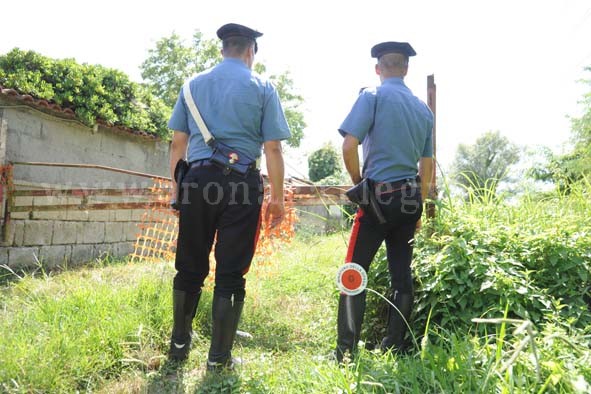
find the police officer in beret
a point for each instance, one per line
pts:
(243, 111)
(395, 130)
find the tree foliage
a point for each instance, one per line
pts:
(481, 166)
(172, 61)
(566, 169)
(582, 133)
(324, 163)
(291, 103)
(93, 92)
(563, 170)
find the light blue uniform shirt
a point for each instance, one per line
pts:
(401, 135)
(239, 108)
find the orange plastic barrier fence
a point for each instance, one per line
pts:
(156, 240)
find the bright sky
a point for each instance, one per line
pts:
(510, 66)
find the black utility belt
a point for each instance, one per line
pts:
(397, 185)
(208, 163)
(365, 194)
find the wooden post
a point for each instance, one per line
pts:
(432, 102)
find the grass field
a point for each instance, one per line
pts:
(105, 329)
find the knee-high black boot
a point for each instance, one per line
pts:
(225, 315)
(349, 321)
(184, 306)
(397, 320)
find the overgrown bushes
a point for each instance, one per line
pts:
(533, 257)
(93, 92)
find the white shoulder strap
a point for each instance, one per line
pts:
(207, 137)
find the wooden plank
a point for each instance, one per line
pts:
(88, 207)
(320, 190)
(85, 192)
(92, 166)
(319, 202)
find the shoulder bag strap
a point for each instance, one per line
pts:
(207, 137)
(373, 122)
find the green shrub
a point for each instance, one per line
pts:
(93, 92)
(324, 163)
(533, 257)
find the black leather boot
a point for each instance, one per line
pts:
(184, 306)
(225, 314)
(394, 339)
(349, 321)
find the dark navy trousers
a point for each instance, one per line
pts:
(402, 208)
(220, 206)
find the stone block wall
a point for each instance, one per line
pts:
(75, 236)
(320, 219)
(31, 135)
(69, 237)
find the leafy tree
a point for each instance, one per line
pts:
(323, 163)
(172, 61)
(291, 107)
(582, 133)
(566, 169)
(562, 170)
(481, 166)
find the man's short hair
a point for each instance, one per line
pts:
(236, 45)
(391, 61)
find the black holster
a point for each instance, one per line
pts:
(180, 170)
(363, 194)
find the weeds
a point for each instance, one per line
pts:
(500, 308)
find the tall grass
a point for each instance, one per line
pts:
(499, 309)
(484, 257)
(73, 330)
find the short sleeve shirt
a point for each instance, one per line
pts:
(395, 129)
(240, 109)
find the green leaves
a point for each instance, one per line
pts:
(291, 103)
(324, 162)
(93, 92)
(481, 166)
(533, 257)
(567, 169)
(171, 62)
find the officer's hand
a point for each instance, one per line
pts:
(174, 204)
(274, 213)
(419, 224)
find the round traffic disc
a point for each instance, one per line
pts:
(351, 279)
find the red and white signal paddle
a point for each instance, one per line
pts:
(351, 279)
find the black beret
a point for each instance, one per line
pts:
(234, 29)
(392, 47)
